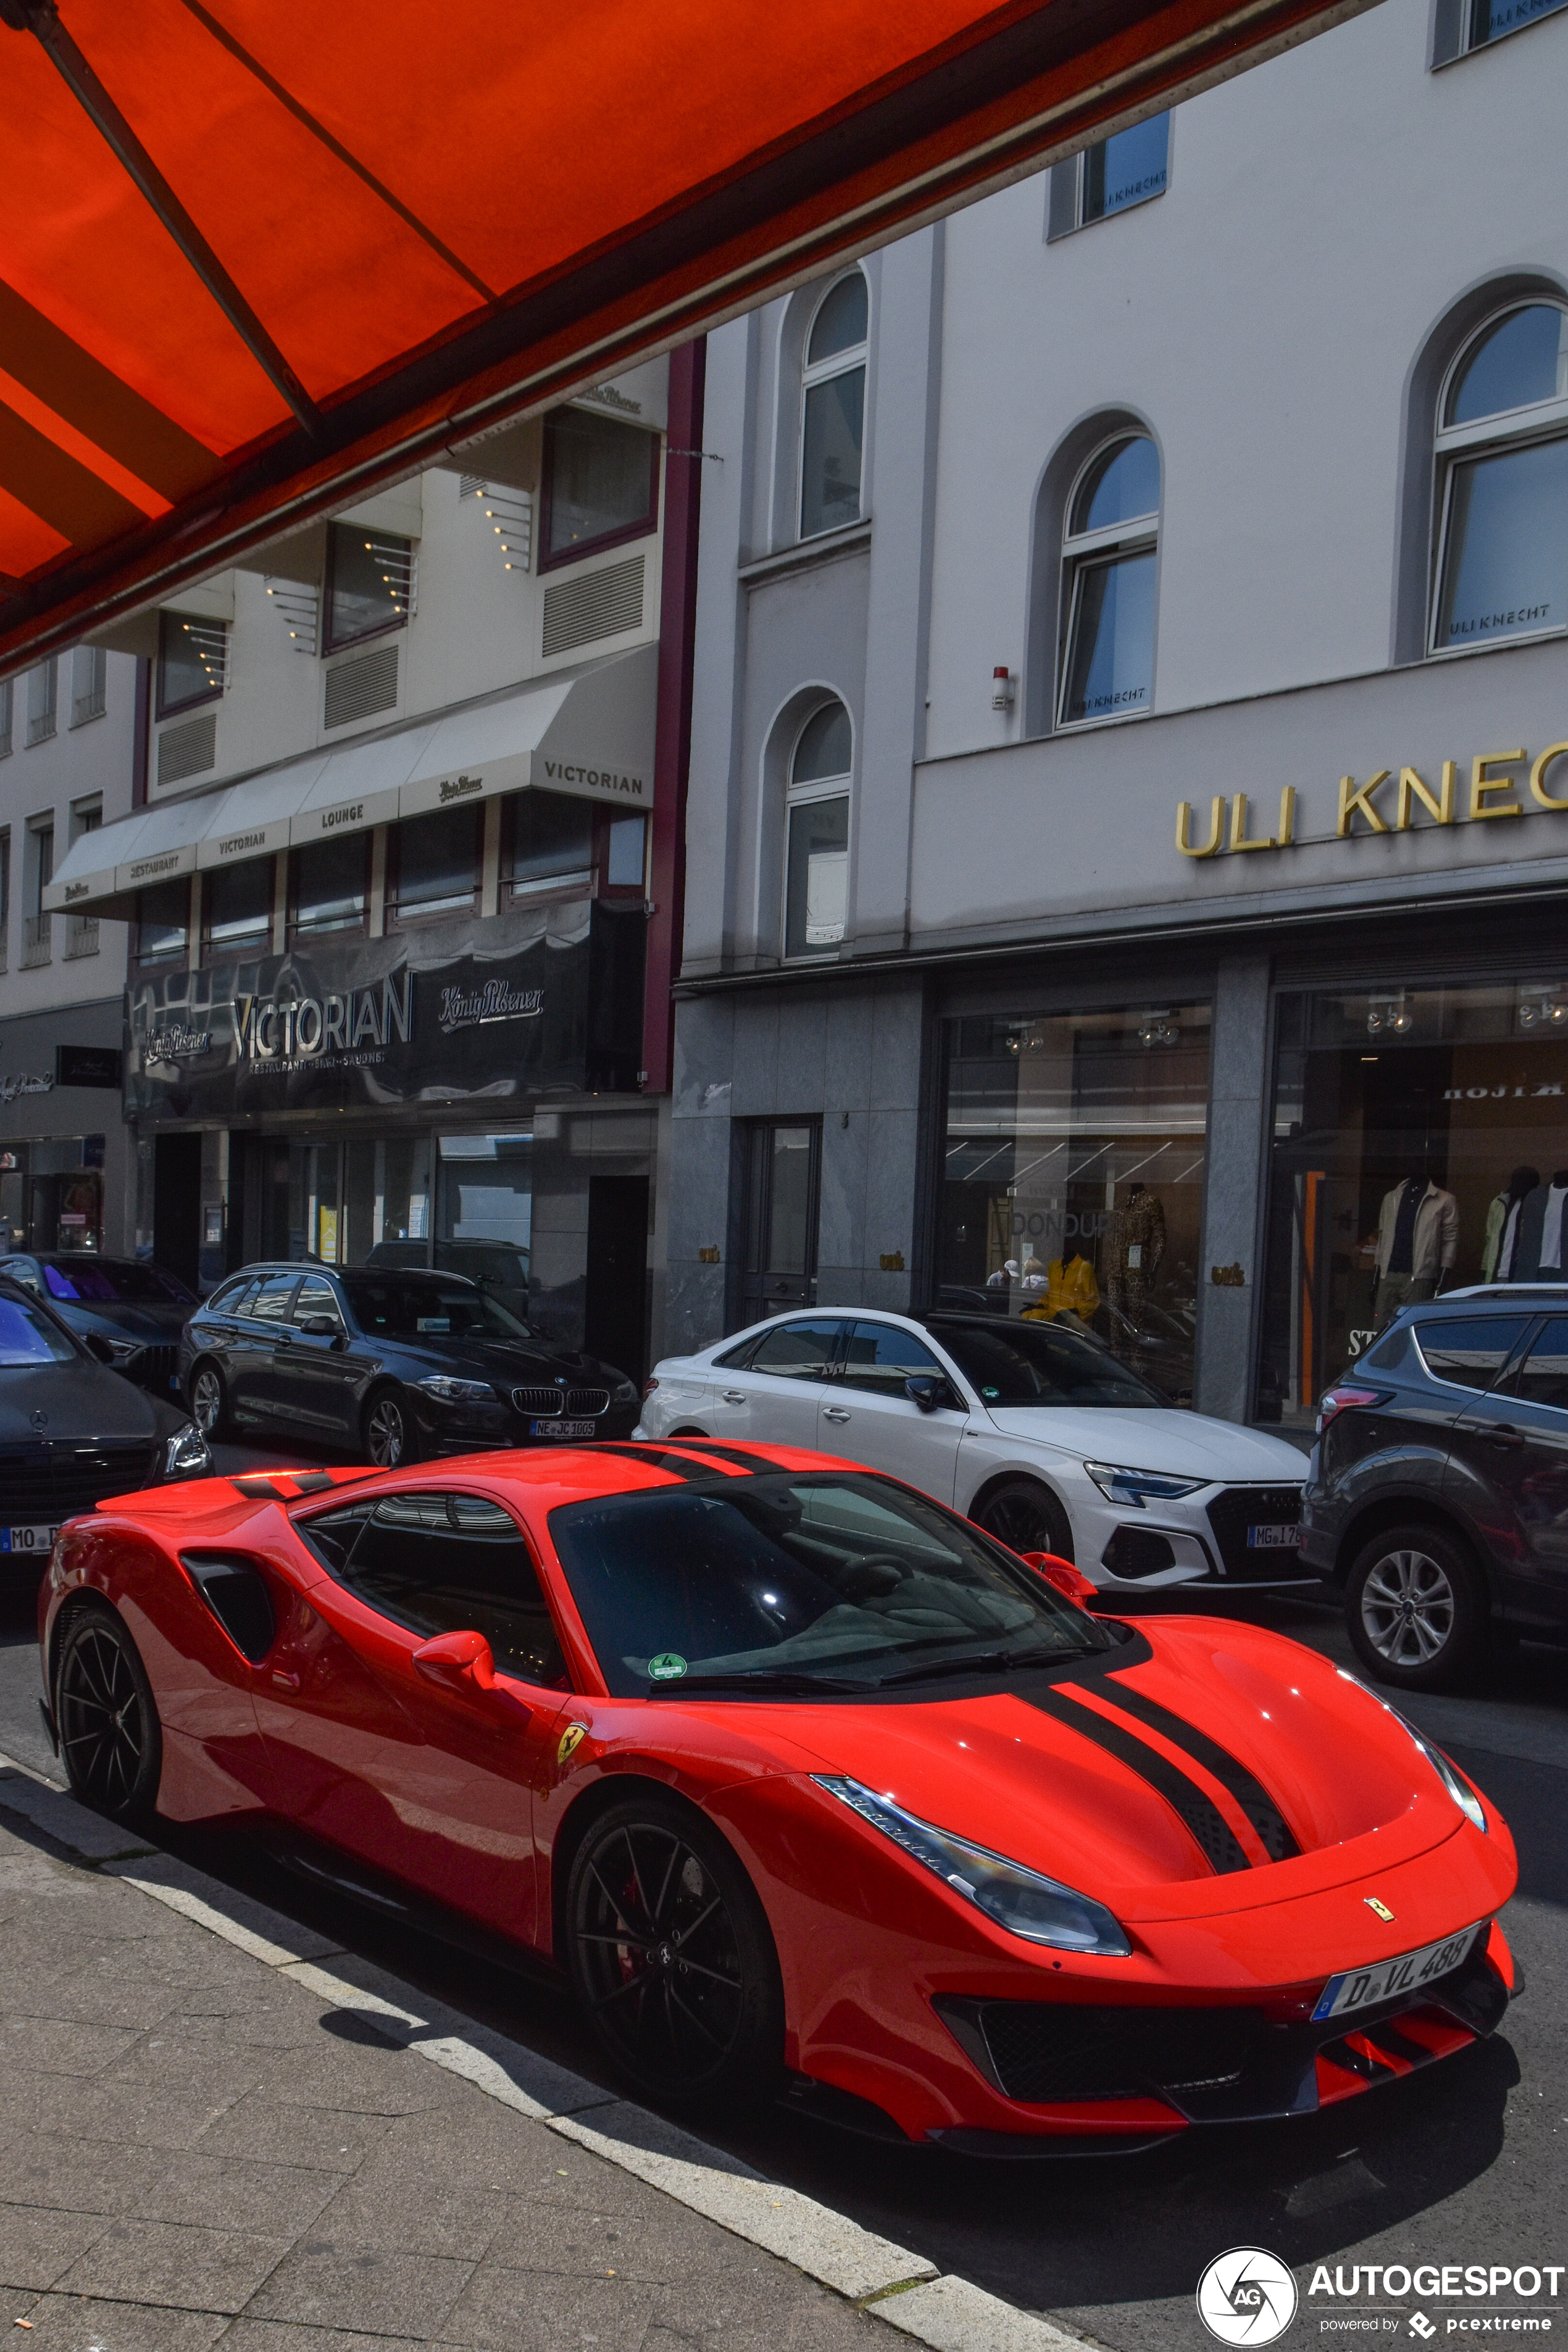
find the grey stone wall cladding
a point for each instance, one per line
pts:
(1238, 1074)
(849, 1054)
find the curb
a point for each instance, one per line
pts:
(884, 2280)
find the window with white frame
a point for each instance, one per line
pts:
(1502, 487)
(816, 862)
(89, 684)
(1462, 26)
(41, 701)
(833, 407)
(1109, 557)
(1129, 168)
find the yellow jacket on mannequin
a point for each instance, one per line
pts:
(1070, 1289)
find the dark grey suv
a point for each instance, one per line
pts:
(1437, 1494)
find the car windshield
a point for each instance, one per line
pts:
(1039, 1363)
(407, 1309)
(114, 1282)
(28, 1336)
(788, 1580)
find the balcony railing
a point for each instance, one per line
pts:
(37, 936)
(82, 935)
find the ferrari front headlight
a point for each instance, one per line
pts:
(188, 1454)
(1016, 1898)
(1460, 1791)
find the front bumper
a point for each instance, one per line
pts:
(1200, 1539)
(460, 1429)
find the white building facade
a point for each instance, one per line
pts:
(387, 886)
(68, 735)
(1128, 807)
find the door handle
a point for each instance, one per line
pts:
(280, 1681)
(733, 1396)
(834, 1413)
(1503, 1433)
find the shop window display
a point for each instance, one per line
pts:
(1420, 1144)
(1073, 1174)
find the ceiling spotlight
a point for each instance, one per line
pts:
(1541, 1005)
(1158, 1029)
(1390, 1016)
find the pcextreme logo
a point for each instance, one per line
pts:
(1247, 2296)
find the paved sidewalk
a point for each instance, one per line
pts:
(205, 2144)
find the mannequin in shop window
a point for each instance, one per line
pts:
(1499, 1250)
(1072, 1294)
(1418, 1242)
(1541, 1249)
(1135, 1245)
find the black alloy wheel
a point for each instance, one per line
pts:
(111, 1740)
(1416, 1608)
(389, 1431)
(671, 1956)
(210, 1401)
(1027, 1517)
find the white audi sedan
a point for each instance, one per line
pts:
(1035, 1431)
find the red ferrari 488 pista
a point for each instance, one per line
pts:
(802, 1779)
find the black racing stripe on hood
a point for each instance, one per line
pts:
(1201, 1814)
(688, 1466)
(737, 1454)
(1273, 1831)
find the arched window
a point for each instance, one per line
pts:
(832, 408)
(816, 863)
(1107, 584)
(1502, 455)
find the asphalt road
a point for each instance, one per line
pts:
(1463, 2164)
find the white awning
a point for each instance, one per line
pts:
(589, 732)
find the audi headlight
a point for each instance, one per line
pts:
(1460, 1791)
(452, 1390)
(1135, 1487)
(188, 1454)
(1020, 1900)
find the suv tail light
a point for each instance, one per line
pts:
(648, 1386)
(1346, 1397)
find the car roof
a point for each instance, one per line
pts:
(1493, 1294)
(320, 1265)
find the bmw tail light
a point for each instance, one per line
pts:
(1345, 1396)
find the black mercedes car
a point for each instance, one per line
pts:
(1437, 1497)
(395, 1364)
(139, 1308)
(72, 1433)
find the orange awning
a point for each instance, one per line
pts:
(260, 257)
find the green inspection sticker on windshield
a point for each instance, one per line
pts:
(667, 1667)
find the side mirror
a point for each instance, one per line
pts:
(928, 1389)
(1070, 1581)
(464, 1664)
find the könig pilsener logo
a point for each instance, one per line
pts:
(1247, 2296)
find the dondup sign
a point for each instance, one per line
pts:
(422, 1018)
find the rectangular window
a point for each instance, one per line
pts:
(816, 887)
(89, 683)
(1127, 169)
(484, 1226)
(1450, 1104)
(625, 839)
(1073, 1177)
(162, 921)
(5, 898)
(601, 484)
(7, 706)
(193, 661)
(41, 701)
(434, 863)
(1505, 554)
(550, 846)
(370, 583)
(1463, 26)
(832, 438)
(1109, 666)
(237, 904)
(329, 884)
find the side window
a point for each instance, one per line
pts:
(331, 1534)
(1469, 1354)
(1127, 168)
(880, 1359)
(816, 855)
(448, 1563)
(798, 1351)
(832, 408)
(736, 1360)
(1542, 1378)
(317, 1296)
(226, 1300)
(22, 1270)
(270, 1304)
